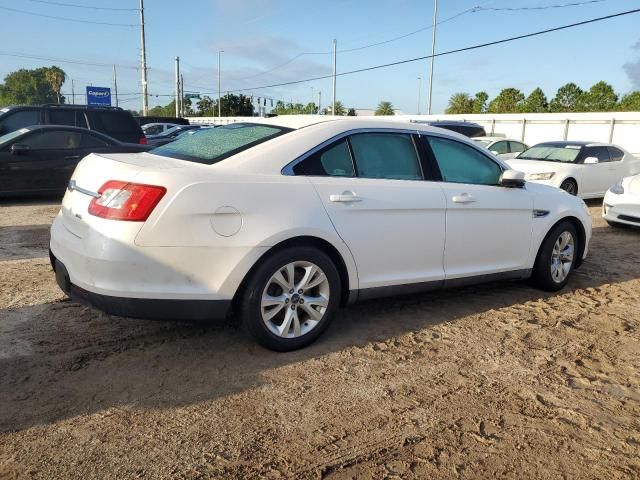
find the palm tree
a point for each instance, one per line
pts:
(385, 108)
(56, 77)
(340, 110)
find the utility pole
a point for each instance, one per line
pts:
(115, 83)
(177, 86)
(181, 95)
(145, 95)
(73, 93)
(319, 100)
(433, 52)
(333, 105)
(419, 93)
(219, 106)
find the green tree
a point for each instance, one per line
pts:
(600, 98)
(56, 77)
(168, 110)
(536, 102)
(509, 100)
(29, 87)
(385, 108)
(567, 99)
(480, 102)
(629, 102)
(352, 112)
(460, 103)
(340, 110)
(234, 106)
(205, 107)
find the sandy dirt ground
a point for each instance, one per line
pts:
(494, 381)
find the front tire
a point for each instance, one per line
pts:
(290, 299)
(570, 186)
(556, 257)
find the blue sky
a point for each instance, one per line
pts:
(258, 35)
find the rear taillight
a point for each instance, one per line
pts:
(143, 141)
(131, 202)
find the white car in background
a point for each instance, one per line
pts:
(284, 224)
(156, 128)
(585, 169)
(503, 148)
(621, 206)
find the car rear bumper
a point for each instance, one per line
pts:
(147, 308)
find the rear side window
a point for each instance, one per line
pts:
(461, 163)
(92, 141)
(500, 147)
(114, 122)
(334, 161)
(616, 154)
(59, 139)
(386, 155)
(517, 147)
(16, 120)
(62, 117)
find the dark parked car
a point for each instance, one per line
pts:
(40, 159)
(112, 121)
(177, 121)
(171, 134)
(468, 129)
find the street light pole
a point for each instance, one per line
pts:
(333, 105)
(433, 52)
(145, 96)
(219, 109)
(115, 83)
(419, 93)
(177, 87)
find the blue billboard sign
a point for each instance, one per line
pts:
(98, 96)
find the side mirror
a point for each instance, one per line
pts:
(591, 161)
(19, 149)
(512, 179)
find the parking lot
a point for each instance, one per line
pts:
(496, 380)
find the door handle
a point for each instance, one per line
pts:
(463, 198)
(72, 157)
(345, 197)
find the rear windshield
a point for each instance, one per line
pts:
(114, 122)
(211, 145)
(566, 154)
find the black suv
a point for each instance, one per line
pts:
(112, 121)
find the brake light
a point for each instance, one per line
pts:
(131, 202)
(143, 141)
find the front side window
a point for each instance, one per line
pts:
(601, 153)
(52, 140)
(461, 163)
(386, 155)
(500, 147)
(210, 146)
(334, 161)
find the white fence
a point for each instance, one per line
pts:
(621, 128)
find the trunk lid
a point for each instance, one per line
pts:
(93, 171)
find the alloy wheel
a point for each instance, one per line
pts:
(562, 257)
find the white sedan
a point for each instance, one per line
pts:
(621, 206)
(503, 148)
(283, 224)
(584, 169)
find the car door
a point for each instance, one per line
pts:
(48, 161)
(488, 226)
(392, 220)
(596, 178)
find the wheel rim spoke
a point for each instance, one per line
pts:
(562, 257)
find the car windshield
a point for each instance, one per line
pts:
(548, 153)
(484, 143)
(4, 139)
(211, 145)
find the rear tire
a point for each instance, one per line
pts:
(570, 186)
(290, 298)
(556, 258)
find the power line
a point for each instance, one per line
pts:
(449, 52)
(544, 7)
(91, 7)
(68, 19)
(63, 60)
